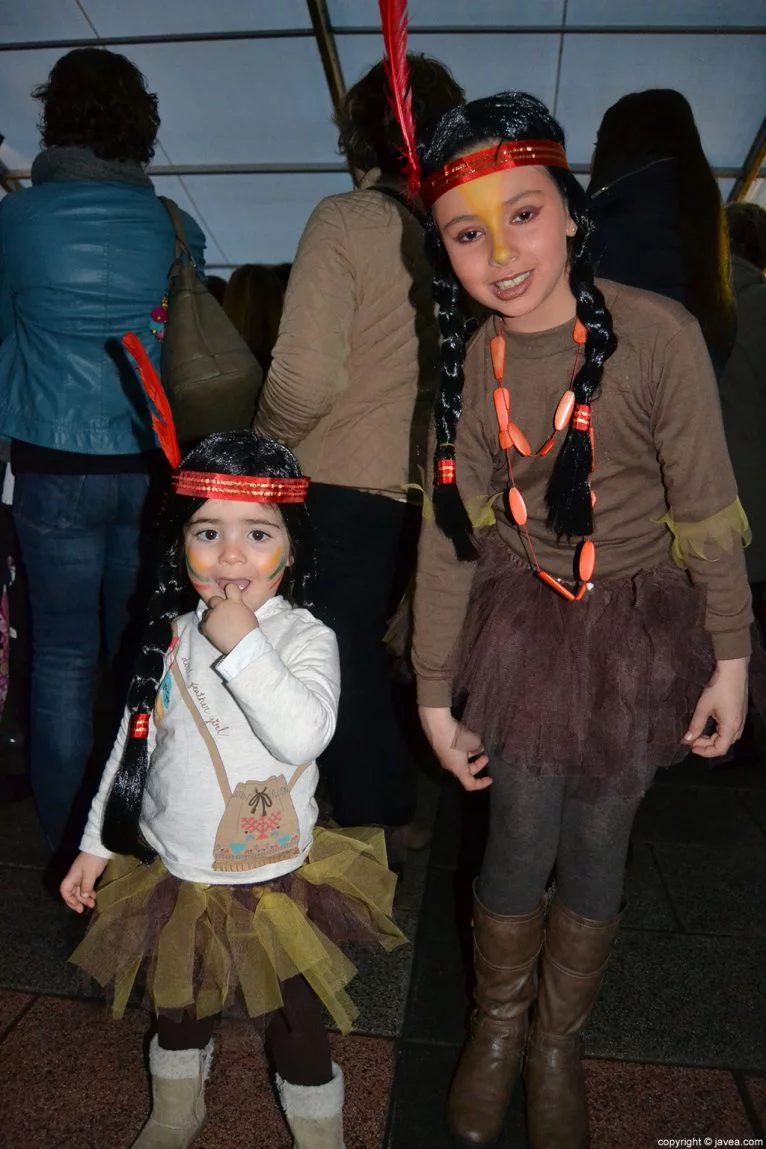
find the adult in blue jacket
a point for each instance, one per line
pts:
(84, 257)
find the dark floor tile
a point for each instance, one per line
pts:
(696, 771)
(37, 935)
(381, 986)
(641, 1106)
(439, 1001)
(368, 1065)
(461, 827)
(410, 889)
(11, 1005)
(21, 839)
(756, 1090)
(72, 1079)
(417, 1118)
(755, 800)
(693, 814)
(647, 907)
(684, 1000)
(717, 889)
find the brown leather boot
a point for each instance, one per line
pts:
(506, 950)
(575, 957)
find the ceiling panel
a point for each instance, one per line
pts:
(481, 64)
(258, 219)
(254, 101)
(174, 17)
(722, 13)
(41, 20)
(723, 77)
(19, 72)
(440, 13)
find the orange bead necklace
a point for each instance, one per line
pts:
(511, 437)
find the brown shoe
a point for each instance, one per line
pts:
(575, 956)
(506, 950)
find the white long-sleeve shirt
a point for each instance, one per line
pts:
(270, 706)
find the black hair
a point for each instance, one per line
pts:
(228, 453)
(513, 116)
(659, 124)
(370, 136)
(747, 232)
(98, 99)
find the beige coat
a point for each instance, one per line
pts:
(355, 366)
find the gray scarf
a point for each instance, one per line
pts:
(59, 165)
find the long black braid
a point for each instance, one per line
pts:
(228, 453)
(511, 116)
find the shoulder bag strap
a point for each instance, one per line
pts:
(220, 770)
(182, 244)
(209, 741)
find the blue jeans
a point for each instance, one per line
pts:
(79, 541)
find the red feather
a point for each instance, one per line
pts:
(162, 421)
(394, 18)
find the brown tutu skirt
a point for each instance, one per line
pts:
(204, 948)
(601, 690)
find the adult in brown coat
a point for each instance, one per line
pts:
(350, 391)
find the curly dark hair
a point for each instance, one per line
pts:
(513, 116)
(747, 232)
(370, 136)
(98, 99)
(228, 453)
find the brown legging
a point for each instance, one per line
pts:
(296, 1038)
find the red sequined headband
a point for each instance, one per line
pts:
(245, 488)
(497, 158)
(204, 484)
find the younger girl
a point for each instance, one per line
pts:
(583, 414)
(211, 786)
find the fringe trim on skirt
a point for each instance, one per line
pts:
(202, 947)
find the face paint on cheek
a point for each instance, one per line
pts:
(484, 198)
(277, 564)
(199, 581)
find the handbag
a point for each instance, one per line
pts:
(259, 824)
(211, 376)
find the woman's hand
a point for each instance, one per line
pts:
(77, 888)
(724, 700)
(459, 751)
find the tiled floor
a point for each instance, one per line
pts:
(676, 1047)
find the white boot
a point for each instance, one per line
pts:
(178, 1096)
(314, 1112)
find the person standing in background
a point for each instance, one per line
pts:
(658, 217)
(350, 391)
(85, 254)
(253, 301)
(743, 385)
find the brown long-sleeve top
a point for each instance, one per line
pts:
(660, 451)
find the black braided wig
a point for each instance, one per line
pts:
(227, 453)
(512, 116)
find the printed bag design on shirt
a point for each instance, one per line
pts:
(259, 824)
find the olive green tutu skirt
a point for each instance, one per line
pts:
(204, 948)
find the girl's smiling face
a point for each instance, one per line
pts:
(506, 236)
(237, 542)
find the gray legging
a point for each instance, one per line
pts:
(536, 824)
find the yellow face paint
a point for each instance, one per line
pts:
(485, 198)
